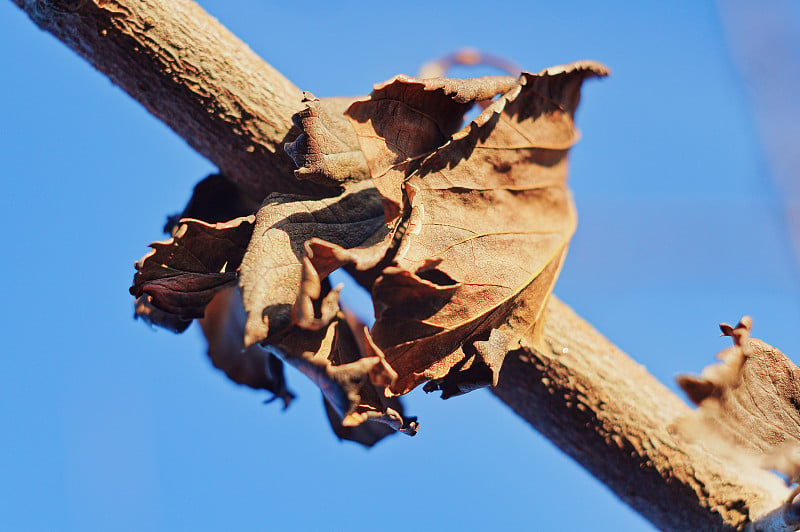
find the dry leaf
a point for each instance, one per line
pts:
(406, 118)
(326, 151)
(483, 222)
(314, 339)
(214, 199)
(208, 236)
(144, 309)
(223, 327)
(272, 268)
(749, 404)
(181, 275)
(459, 233)
(477, 222)
(352, 377)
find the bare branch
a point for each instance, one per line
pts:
(192, 73)
(585, 395)
(609, 414)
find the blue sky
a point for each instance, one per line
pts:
(109, 425)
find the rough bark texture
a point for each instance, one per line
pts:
(613, 417)
(192, 73)
(585, 395)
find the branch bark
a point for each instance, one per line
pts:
(609, 414)
(584, 394)
(193, 74)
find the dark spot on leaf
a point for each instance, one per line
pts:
(437, 277)
(502, 167)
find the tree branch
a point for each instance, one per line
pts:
(193, 74)
(584, 394)
(609, 414)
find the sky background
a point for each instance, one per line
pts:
(110, 425)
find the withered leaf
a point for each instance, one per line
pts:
(478, 220)
(405, 118)
(351, 376)
(459, 234)
(272, 268)
(749, 404)
(144, 309)
(214, 199)
(327, 150)
(483, 221)
(181, 275)
(368, 433)
(351, 382)
(256, 367)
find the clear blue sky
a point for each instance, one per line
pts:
(108, 425)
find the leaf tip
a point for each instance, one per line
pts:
(589, 66)
(740, 333)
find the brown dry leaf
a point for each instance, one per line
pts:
(352, 383)
(482, 223)
(185, 270)
(180, 276)
(144, 309)
(749, 404)
(327, 150)
(406, 118)
(316, 339)
(477, 220)
(272, 268)
(256, 367)
(291, 309)
(352, 378)
(459, 234)
(214, 199)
